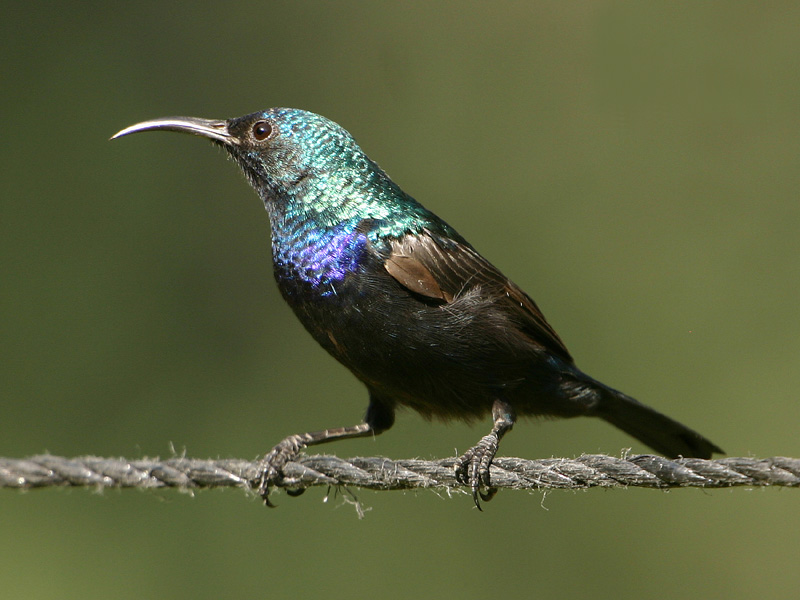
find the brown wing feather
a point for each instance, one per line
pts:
(412, 274)
(442, 268)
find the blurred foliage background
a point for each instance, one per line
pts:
(634, 166)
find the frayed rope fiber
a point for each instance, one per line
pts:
(590, 470)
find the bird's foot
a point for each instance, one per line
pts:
(270, 467)
(472, 468)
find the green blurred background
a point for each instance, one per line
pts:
(635, 167)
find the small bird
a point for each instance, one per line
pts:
(402, 300)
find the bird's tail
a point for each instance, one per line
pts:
(662, 434)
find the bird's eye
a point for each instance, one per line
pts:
(262, 130)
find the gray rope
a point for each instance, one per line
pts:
(591, 470)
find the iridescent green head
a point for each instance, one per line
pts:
(277, 148)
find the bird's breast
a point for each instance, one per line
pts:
(313, 263)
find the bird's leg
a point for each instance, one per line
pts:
(287, 450)
(379, 418)
(472, 467)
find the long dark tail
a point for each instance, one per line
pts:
(662, 434)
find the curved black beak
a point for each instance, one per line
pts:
(215, 130)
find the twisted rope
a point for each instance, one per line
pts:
(591, 470)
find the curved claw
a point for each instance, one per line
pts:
(472, 469)
(272, 464)
(490, 493)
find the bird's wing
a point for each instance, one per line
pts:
(443, 269)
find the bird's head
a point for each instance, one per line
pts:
(279, 149)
